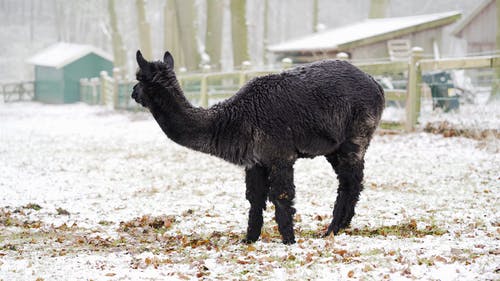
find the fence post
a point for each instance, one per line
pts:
(204, 87)
(92, 95)
(21, 91)
(83, 90)
(413, 89)
(116, 79)
(286, 63)
(342, 56)
(245, 65)
(102, 75)
(182, 71)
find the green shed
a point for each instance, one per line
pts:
(59, 68)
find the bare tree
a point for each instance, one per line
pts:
(186, 16)
(239, 31)
(119, 54)
(315, 15)
(144, 30)
(213, 39)
(171, 32)
(378, 8)
(265, 31)
(495, 93)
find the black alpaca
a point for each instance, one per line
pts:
(328, 108)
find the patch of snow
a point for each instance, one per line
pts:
(101, 165)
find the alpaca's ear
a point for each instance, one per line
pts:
(168, 59)
(140, 60)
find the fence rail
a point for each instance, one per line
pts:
(17, 91)
(207, 87)
(460, 63)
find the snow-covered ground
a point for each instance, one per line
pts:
(87, 193)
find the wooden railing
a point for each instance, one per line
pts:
(207, 87)
(417, 66)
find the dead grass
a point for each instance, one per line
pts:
(404, 230)
(447, 129)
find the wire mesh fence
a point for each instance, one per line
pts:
(462, 102)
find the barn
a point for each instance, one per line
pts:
(59, 68)
(370, 38)
(484, 18)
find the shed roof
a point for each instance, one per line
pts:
(469, 18)
(365, 32)
(62, 54)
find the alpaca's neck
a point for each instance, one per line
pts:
(180, 121)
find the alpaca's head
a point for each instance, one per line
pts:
(153, 77)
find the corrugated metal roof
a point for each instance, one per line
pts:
(62, 54)
(370, 28)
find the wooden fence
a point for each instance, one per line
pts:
(417, 66)
(17, 91)
(207, 87)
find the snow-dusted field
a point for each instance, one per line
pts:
(91, 194)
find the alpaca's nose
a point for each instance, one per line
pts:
(134, 95)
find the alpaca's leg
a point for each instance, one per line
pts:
(348, 163)
(257, 183)
(282, 193)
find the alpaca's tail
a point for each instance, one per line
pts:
(381, 91)
(381, 101)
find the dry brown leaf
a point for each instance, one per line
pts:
(183, 276)
(340, 252)
(309, 257)
(413, 224)
(239, 261)
(440, 259)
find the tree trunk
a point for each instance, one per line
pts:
(32, 21)
(119, 54)
(378, 8)
(239, 32)
(186, 16)
(266, 31)
(59, 20)
(171, 36)
(495, 91)
(144, 30)
(213, 40)
(315, 15)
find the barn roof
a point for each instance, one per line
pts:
(62, 54)
(469, 18)
(365, 32)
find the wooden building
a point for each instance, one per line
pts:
(59, 68)
(480, 28)
(369, 39)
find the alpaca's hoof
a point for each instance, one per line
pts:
(249, 240)
(327, 234)
(289, 241)
(337, 225)
(332, 228)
